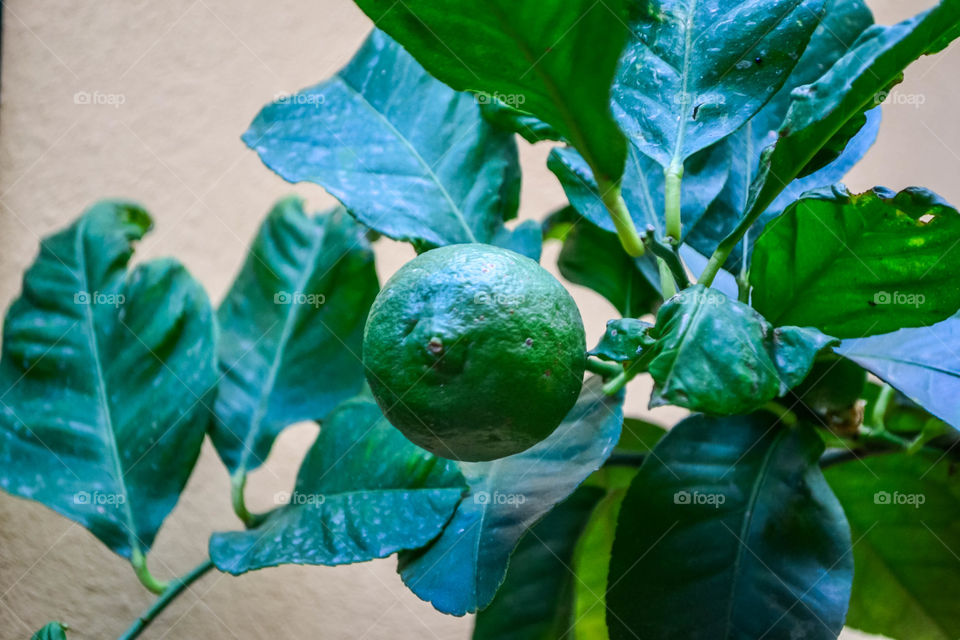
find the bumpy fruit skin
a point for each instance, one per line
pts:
(474, 352)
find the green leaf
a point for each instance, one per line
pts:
(843, 22)
(771, 549)
(594, 258)
(363, 492)
(923, 363)
(591, 565)
(719, 356)
(642, 186)
(903, 513)
(858, 265)
(51, 631)
(535, 600)
(856, 83)
(406, 155)
(291, 329)
(695, 71)
(462, 569)
(554, 60)
(640, 435)
(623, 340)
(104, 374)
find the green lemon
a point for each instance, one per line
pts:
(474, 352)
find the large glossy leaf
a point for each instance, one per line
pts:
(535, 601)
(553, 59)
(734, 515)
(835, 104)
(858, 265)
(642, 186)
(903, 513)
(363, 492)
(405, 154)
(719, 356)
(104, 375)
(291, 329)
(51, 631)
(696, 70)
(462, 569)
(923, 363)
(843, 22)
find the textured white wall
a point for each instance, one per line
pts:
(191, 75)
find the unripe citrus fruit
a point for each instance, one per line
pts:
(474, 352)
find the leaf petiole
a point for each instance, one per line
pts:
(673, 178)
(238, 482)
(612, 199)
(139, 562)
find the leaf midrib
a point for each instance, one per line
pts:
(114, 449)
(904, 361)
(461, 218)
(747, 522)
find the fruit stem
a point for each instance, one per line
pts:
(612, 199)
(604, 369)
(169, 594)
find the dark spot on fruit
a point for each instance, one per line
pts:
(613, 333)
(435, 346)
(758, 60)
(528, 342)
(547, 373)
